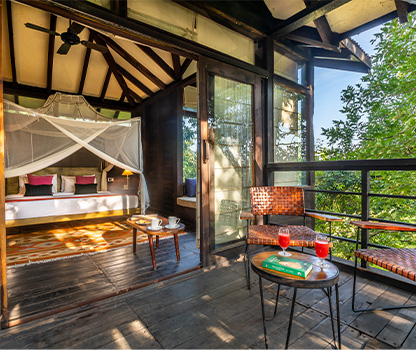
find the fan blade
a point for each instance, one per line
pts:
(94, 46)
(76, 28)
(63, 50)
(41, 29)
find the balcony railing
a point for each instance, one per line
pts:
(364, 167)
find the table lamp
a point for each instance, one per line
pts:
(127, 173)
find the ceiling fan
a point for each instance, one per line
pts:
(70, 37)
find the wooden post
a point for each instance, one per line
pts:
(269, 130)
(365, 209)
(309, 137)
(3, 276)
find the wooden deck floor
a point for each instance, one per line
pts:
(41, 288)
(212, 308)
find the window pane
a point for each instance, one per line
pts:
(289, 134)
(231, 132)
(189, 129)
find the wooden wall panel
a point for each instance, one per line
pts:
(159, 135)
(3, 275)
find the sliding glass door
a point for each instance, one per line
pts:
(228, 152)
(231, 159)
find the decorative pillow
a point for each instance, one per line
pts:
(24, 179)
(40, 179)
(38, 190)
(67, 183)
(85, 188)
(85, 180)
(190, 187)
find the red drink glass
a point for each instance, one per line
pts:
(321, 249)
(284, 240)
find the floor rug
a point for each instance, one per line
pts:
(62, 241)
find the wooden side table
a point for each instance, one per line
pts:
(150, 233)
(317, 279)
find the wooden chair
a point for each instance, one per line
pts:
(401, 261)
(276, 200)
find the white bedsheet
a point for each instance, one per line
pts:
(20, 207)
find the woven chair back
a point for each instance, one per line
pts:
(277, 200)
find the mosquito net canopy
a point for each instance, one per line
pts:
(36, 139)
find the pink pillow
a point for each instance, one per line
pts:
(40, 179)
(84, 180)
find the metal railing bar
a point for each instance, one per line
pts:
(350, 240)
(391, 196)
(333, 191)
(359, 194)
(344, 165)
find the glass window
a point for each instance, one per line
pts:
(189, 129)
(289, 131)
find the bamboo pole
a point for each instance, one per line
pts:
(3, 276)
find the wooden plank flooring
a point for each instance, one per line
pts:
(41, 288)
(212, 308)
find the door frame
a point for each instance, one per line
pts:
(206, 67)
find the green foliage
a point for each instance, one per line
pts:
(189, 147)
(380, 123)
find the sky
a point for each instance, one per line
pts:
(330, 82)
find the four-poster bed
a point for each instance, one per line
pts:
(37, 139)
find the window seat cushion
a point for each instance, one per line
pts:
(188, 202)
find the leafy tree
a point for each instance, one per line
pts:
(380, 111)
(189, 147)
(380, 123)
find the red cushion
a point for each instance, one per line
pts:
(84, 180)
(40, 179)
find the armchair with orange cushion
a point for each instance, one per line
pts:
(278, 200)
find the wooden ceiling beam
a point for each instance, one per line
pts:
(135, 96)
(185, 66)
(105, 84)
(84, 68)
(322, 53)
(304, 17)
(51, 52)
(171, 87)
(176, 66)
(209, 11)
(357, 51)
(122, 97)
(351, 66)
(112, 65)
(312, 42)
(292, 51)
(323, 27)
(11, 40)
(157, 59)
(130, 59)
(324, 30)
(402, 10)
(42, 93)
(134, 80)
(119, 7)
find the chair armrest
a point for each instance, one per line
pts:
(323, 217)
(246, 215)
